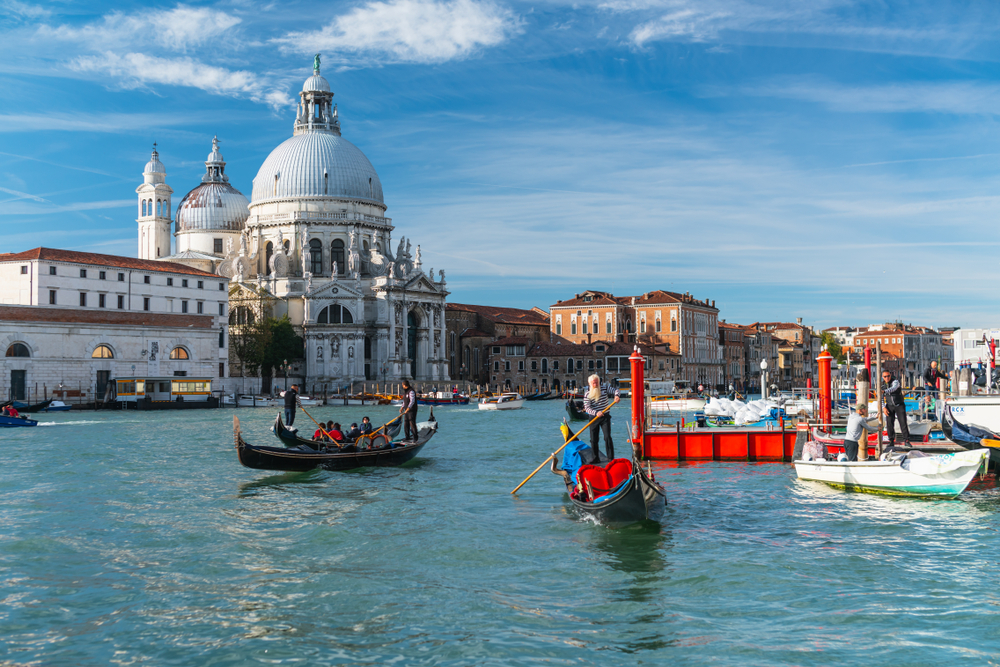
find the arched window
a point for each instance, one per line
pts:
(179, 353)
(337, 255)
(316, 257)
(18, 350)
(268, 253)
(569, 365)
(159, 207)
(102, 352)
(335, 314)
(545, 365)
(241, 315)
(144, 208)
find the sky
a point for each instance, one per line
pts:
(830, 160)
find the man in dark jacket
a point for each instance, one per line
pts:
(409, 411)
(291, 396)
(895, 408)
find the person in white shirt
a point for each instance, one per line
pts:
(857, 424)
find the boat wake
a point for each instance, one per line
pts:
(69, 423)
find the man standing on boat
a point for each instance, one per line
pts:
(596, 402)
(895, 408)
(291, 396)
(409, 411)
(857, 424)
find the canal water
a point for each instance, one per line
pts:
(131, 538)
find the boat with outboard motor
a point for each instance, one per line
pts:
(505, 401)
(900, 473)
(304, 457)
(616, 492)
(6, 421)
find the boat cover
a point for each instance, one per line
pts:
(576, 454)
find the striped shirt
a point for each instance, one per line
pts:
(608, 394)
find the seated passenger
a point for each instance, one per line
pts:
(336, 433)
(12, 411)
(366, 426)
(319, 434)
(354, 433)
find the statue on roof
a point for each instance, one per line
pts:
(316, 64)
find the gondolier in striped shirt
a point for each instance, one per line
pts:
(596, 402)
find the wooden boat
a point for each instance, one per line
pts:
(937, 476)
(34, 407)
(6, 421)
(540, 396)
(506, 401)
(835, 441)
(634, 494)
(574, 407)
(291, 438)
(451, 399)
(304, 458)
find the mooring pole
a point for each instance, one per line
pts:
(825, 389)
(638, 428)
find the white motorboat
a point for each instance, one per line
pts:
(982, 411)
(507, 401)
(937, 476)
(252, 401)
(676, 404)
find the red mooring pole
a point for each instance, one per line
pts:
(638, 399)
(825, 389)
(868, 367)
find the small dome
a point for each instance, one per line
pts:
(316, 84)
(317, 164)
(154, 166)
(212, 206)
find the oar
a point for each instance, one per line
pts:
(320, 427)
(575, 435)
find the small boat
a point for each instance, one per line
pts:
(304, 458)
(506, 401)
(540, 396)
(291, 437)
(442, 399)
(982, 410)
(252, 401)
(6, 421)
(56, 406)
(32, 407)
(574, 407)
(834, 442)
(616, 493)
(676, 404)
(900, 474)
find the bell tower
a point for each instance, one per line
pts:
(154, 210)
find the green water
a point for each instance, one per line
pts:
(131, 538)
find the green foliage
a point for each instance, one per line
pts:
(833, 346)
(283, 344)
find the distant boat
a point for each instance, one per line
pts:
(6, 421)
(56, 406)
(508, 401)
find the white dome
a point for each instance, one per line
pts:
(213, 206)
(317, 164)
(154, 166)
(316, 83)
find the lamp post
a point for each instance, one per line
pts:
(763, 378)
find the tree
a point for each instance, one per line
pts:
(250, 332)
(827, 339)
(283, 344)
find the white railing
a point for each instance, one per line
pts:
(293, 216)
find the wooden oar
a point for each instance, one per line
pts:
(575, 435)
(320, 427)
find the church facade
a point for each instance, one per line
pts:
(314, 242)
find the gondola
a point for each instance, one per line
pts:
(302, 458)
(35, 407)
(293, 439)
(574, 407)
(969, 436)
(455, 399)
(638, 497)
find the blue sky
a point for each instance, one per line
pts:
(830, 160)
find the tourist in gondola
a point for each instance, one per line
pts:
(336, 433)
(366, 426)
(320, 433)
(895, 408)
(596, 402)
(409, 411)
(290, 400)
(354, 433)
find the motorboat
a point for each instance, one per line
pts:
(982, 410)
(676, 404)
(505, 401)
(57, 406)
(900, 474)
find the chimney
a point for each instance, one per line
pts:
(798, 320)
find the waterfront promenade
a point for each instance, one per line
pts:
(138, 538)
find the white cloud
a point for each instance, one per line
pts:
(136, 69)
(177, 29)
(422, 31)
(23, 10)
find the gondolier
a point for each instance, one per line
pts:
(895, 408)
(409, 411)
(596, 401)
(290, 399)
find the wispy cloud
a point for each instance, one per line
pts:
(419, 31)
(24, 208)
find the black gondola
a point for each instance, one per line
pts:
(302, 458)
(969, 436)
(34, 407)
(574, 407)
(640, 498)
(293, 439)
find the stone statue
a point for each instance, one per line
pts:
(239, 272)
(243, 244)
(333, 275)
(401, 250)
(416, 259)
(229, 245)
(441, 279)
(335, 344)
(319, 351)
(353, 256)
(430, 274)
(378, 264)
(350, 352)
(316, 64)
(409, 255)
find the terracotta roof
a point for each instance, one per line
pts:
(596, 299)
(94, 259)
(647, 299)
(565, 350)
(619, 349)
(727, 325)
(663, 296)
(503, 315)
(101, 316)
(469, 333)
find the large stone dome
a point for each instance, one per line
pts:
(214, 206)
(317, 164)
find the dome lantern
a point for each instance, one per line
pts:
(316, 111)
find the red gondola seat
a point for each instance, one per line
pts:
(603, 479)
